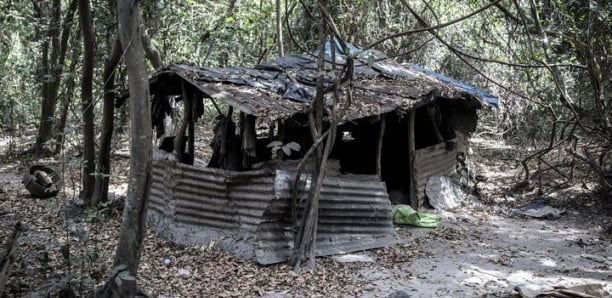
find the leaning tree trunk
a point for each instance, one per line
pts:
(306, 235)
(87, 104)
(151, 52)
(100, 193)
(103, 177)
(127, 255)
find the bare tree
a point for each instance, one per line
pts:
(87, 104)
(100, 193)
(122, 281)
(55, 46)
(279, 29)
(102, 178)
(305, 237)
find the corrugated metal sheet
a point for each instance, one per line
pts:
(354, 214)
(210, 197)
(432, 161)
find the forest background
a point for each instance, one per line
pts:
(548, 61)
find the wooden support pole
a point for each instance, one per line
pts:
(271, 131)
(414, 200)
(431, 111)
(191, 140)
(179, 144)
(381, 134)
(281, 138)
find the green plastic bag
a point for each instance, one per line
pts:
(405, 215)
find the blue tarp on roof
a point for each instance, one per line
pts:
(490, 99)
(351, 48)
(484, 95)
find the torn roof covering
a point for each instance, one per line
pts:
(482, 94)
(490, 99)
(284, 87)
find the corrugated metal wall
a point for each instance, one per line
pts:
(354, 214)
(432, 161)
(211, 197)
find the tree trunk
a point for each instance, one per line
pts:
(127, 255)
(48, 105)
(151, 51)
(87, 105)
(52, 67)
(279, 30)
(100, 193)
(305, 237)
(66, 101)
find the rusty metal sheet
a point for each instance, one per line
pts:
(253, 101)
(251, 198)
(209, 197)
(354, 214)
(432, 161)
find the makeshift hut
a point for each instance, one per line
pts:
(404, 124)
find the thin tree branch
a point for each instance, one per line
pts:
(428, 27)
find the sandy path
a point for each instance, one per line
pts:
(474, 254)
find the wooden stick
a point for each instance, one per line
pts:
(281, 138)
(191, 140)
(414, 200)
(381, 134)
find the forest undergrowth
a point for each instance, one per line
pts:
(66, 248)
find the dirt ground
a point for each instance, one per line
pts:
(484, 249)
(475, 254)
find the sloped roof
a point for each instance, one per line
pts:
(281, 88)
(484, 95)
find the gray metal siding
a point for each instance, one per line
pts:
(211, 197)
(354, 214)
(432, 161)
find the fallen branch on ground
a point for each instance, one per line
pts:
(8, 258)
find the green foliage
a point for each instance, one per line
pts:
(275, 146)
(18, 64)
(504, 49)
(206, 33)
(98, 213)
